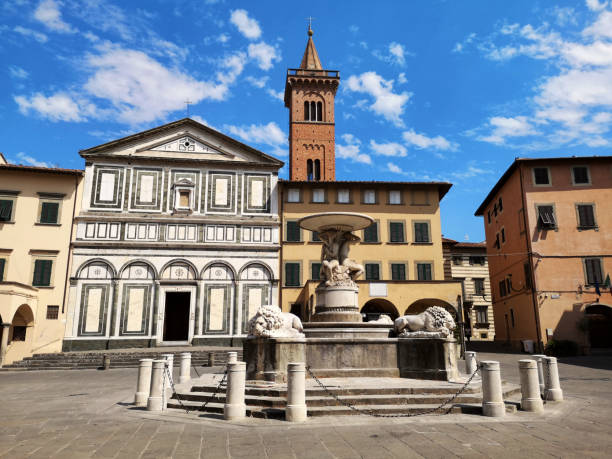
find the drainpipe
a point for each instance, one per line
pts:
(534, 296)
(76, 187)
(280, 242)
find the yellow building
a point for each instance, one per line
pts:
(37, 207)
(401, 252)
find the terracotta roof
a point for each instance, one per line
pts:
(506, 175)
(311, 61)
(49, 170)
(443, 187)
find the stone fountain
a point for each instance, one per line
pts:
(337, 343)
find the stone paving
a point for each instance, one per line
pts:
(87, 413)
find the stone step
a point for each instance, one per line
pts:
(276, 413)
(282, 392)
(325, 400)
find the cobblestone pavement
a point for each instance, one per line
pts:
(76, 414)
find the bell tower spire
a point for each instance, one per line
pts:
(310, 93)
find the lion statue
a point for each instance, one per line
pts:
(382, 319)
(269, 321)
(434, 322)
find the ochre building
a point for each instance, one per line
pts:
(37, 207)
(549, 248)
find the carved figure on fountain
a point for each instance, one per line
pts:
(337, 269)
(434, 322)
(270, 322)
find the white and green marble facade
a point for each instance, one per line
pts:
(180, 208)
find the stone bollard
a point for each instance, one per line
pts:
(296, 393)
(106, 361)
(538, 358)
(234, 403)
(155, 401)
(552, 388)
(232, 357)
(470, 362)
(169, 358)
(143, 386)
(211, 359)
(492, 398)
(530, 386)
(185, 371)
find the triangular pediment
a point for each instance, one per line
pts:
(183, 140)
(186, 143)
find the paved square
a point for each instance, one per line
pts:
(87, 413)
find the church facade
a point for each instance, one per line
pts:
(177, 240)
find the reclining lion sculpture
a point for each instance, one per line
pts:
(434, 322)
(270, 322)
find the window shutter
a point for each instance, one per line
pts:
(581, 174)
(42, 273)
(6, 208)
(372, 272)
(586, 216)
(398, 271)
(397, 232)
(315, 236)
(293, 232)
(316, 271)
(2, 264)
(421, 232)
(292, 274)
(593, 269)
(424, 271)
(49, 212)
(370, 234)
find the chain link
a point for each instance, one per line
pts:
(169, 375)
(214, 394)
(399, 415)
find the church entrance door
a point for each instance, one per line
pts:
(176, 316)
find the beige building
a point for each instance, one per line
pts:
(401, 252)
(467, 262)
(37, 207)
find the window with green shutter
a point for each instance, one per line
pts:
(424, 271)
(315, 271)
(2, 265)
(293, 232)
(49, 212)
(6, 210)
(372, 271)
(396, 230)
(593, 271)
(421, 232)
(370, 234)
(315, 236)
(42, 273)
(398, 271)
(292, 274)
(586, 216)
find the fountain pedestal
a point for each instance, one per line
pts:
(336, 304)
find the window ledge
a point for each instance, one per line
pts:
(47, 224)
(375, 243)
(586, 228)
(292, 286)
(12, 222)
(398, 243)
(293, 242)
(315, 242)
(44, 286)
(422, 243)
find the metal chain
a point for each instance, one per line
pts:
(169, 374)
(401, 415)
(214, 394)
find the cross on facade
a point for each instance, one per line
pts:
(309, 19)
(188, 103)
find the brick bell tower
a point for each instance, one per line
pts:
(310, 92)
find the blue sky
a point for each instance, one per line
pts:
(430, 90)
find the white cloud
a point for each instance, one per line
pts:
(141, 89)
(257, 82)
(17, 72)
(247, 26)
(388, 149)
(401, 78)
(395, 169)
(388, 104)
(596, 5)
(30, 160)
(48, 12)
(223, 38)
(233, 65)
(398, 52)
(38, 36)
(470, 172)
(502, 128)
(423, 142)
(564, 15)
(352, 150)
(460, 46)
(57, 107)
(278, 95)
(265, 134)
(602, 27)
(264, 54)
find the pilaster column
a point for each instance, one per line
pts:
(4, 343)
(113, 324)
